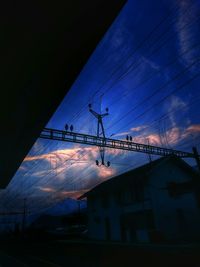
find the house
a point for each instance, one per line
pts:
(156, 202)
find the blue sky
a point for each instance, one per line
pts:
(146, 70)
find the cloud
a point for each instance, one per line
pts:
(119, 38)
(173, 136)
(22, 168)
(131, 131)
(57, 173)
(104, 172)
(152, 138)
(150, 63)
(61, 155)
(192, 130)
(38, 145)
(138, 128)
(175, 105)
(122, 133)
(72, 166)
(177, 102)
(46, 189)
(63, 194)
(188, 12)
(72, 194)
(71, 155)
(71, 179)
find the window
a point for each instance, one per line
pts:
(178, 189)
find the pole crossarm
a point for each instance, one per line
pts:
(86, 139)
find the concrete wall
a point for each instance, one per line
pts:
(166, 209)
(97, 215)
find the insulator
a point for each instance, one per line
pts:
(106, 109)
(127, 137)
(108, 163)
(130, 138)
(66, 127)
(90, 105)
(71, 128)
(97, 162)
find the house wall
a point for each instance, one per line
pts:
(97, 216)
(113, 212)
(176, 217)
(95, 228)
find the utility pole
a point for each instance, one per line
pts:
(149, 155)
(196, 157)
(79, 213)
(100, 133)
(24, 216)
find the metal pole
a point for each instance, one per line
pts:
(100, 125)
(24, 217)
(196, 156)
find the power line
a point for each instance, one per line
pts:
(130, 68)
(171, 112)
(155, 72)
(169, 129)
(43, 177)
(141, 43)
(151, 76)
(160, 101)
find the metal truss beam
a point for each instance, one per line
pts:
(86, 139)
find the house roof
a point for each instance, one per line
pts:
(139, 174)
(44, 46)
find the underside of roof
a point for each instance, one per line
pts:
(44, 46)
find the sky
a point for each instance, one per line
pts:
(146, 71)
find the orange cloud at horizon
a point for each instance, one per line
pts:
(46, 189)
(138, 128)
(174, 135)
(195, 128)
(104, 172)
(74, 194)
(61, 167)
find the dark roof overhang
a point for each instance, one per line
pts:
(44, 46)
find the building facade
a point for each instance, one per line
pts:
(156, 202)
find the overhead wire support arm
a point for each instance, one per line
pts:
(86, 139)
(100, 133)
(99, 120)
